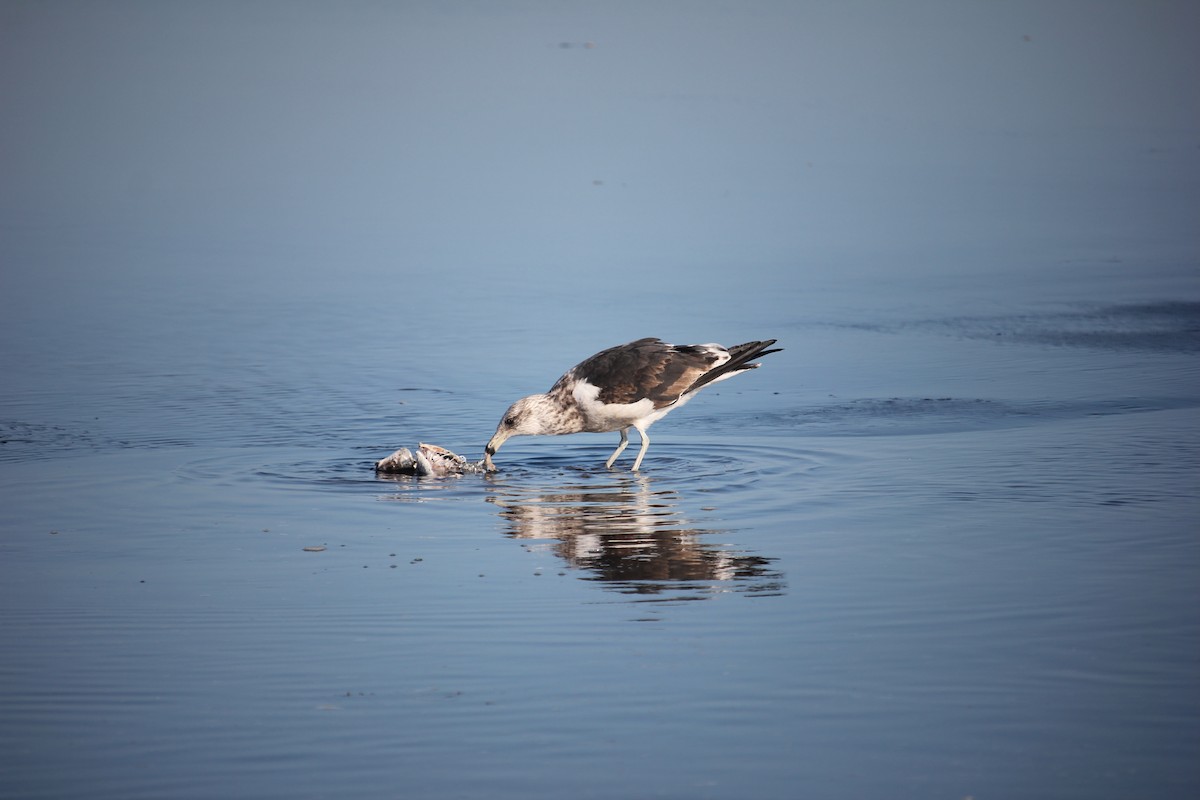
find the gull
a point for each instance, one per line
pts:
(630, 386)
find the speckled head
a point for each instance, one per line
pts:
(535, 415)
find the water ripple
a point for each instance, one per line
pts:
(661, 533)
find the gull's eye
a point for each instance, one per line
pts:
(510, 421)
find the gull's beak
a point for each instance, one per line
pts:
(490, 450)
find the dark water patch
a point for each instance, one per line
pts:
(21, 441)
(1161, 327)
(925, 415)
(1167, 327)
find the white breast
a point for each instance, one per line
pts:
(600, 417)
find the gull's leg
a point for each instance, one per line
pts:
(620, 447)
(637, 462)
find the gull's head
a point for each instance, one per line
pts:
(521, 419)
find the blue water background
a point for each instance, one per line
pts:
(943, 545)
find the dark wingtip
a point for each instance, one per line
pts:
(759, 349)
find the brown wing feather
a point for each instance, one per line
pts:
(646, 368)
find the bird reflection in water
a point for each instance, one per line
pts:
(631, 537)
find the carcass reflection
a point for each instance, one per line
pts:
(631, 536)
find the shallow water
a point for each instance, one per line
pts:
(916, 554)
(944, 545)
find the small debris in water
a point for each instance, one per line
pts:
(316, 548)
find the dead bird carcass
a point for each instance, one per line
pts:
(428, 460)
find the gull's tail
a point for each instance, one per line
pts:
(740, 356)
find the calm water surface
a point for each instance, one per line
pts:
(943, 545)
